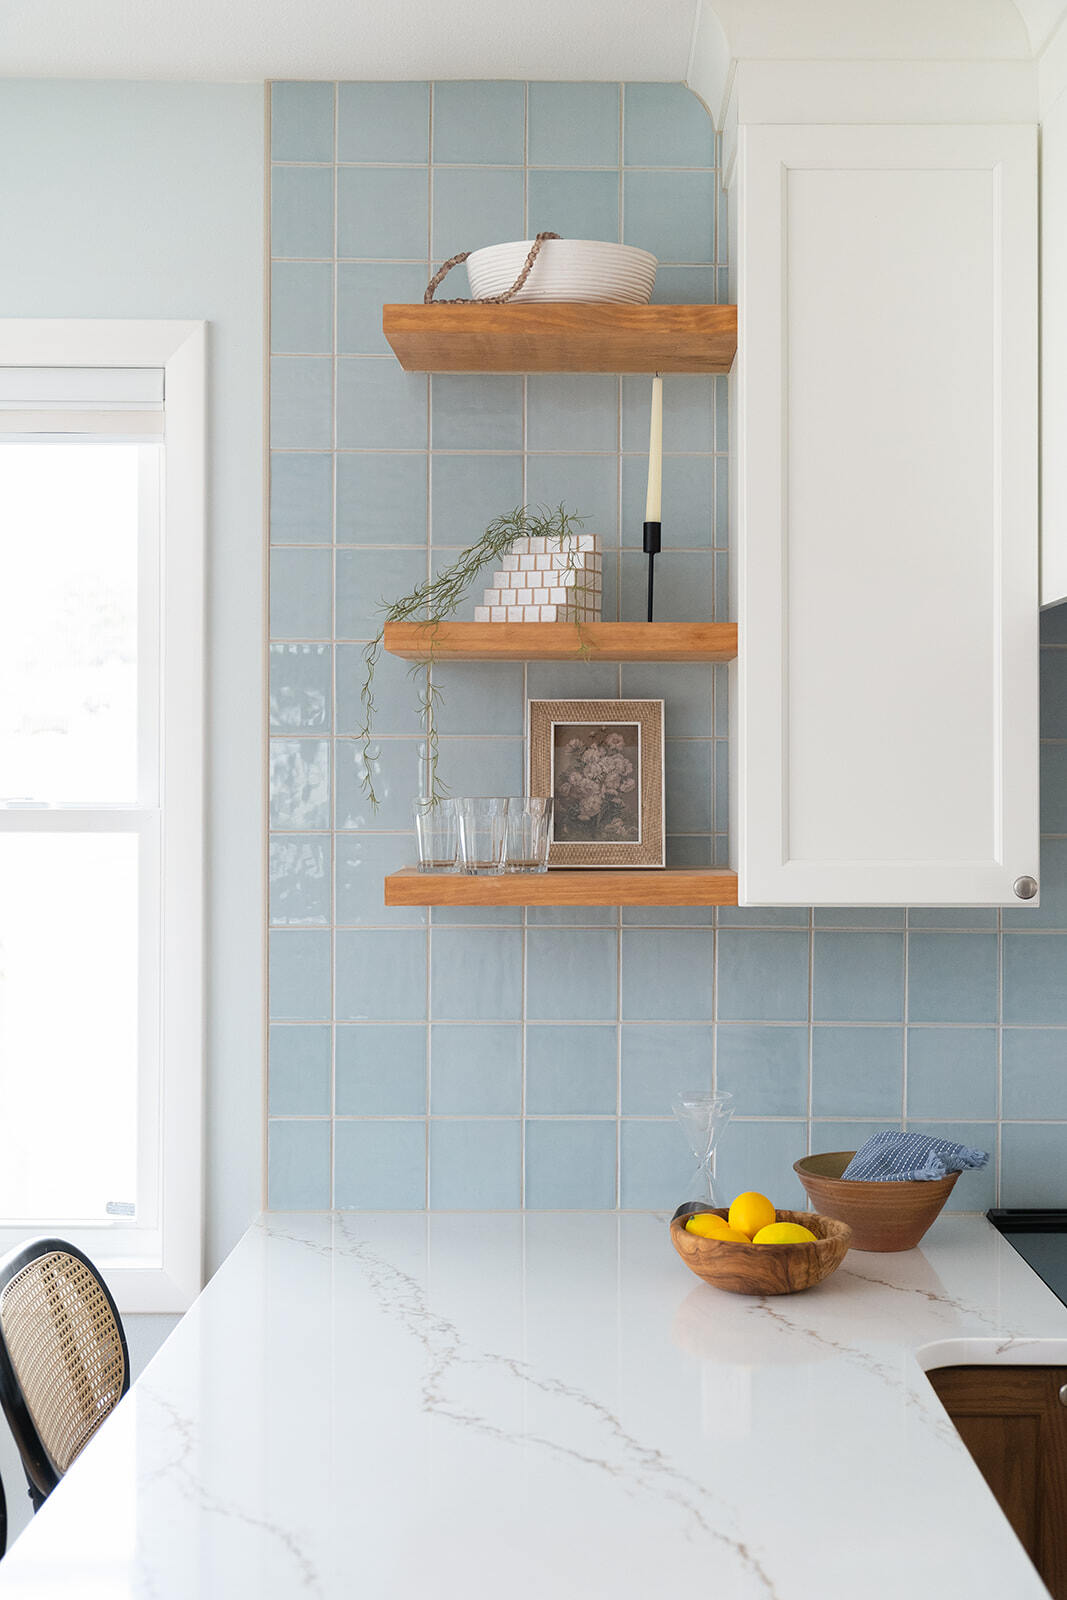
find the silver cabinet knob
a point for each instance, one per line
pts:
(1025, 889)
(1063, 1395)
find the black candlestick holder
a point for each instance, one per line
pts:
(652, 548)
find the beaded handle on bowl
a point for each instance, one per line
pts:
(491, 299)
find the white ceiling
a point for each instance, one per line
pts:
(576, 39)
(256, 39)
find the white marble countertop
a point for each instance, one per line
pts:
(549, 1405)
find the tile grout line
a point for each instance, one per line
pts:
(333, 667)
(525, 917)
(810, 1130)
(999, 1132)
(507, 166)
(427, 1176)
(619, 694)
(906, 1018)
(775, 1117)
(665, 1022)
(265, 569)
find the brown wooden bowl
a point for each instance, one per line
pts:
(882, 1216)
(763, 1268)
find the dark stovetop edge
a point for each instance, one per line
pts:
(1021, 1220)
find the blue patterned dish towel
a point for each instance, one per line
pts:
(910, 1157)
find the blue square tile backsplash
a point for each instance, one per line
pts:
(485, 1060)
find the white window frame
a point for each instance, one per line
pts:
(163, 1271)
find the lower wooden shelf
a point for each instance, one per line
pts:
(565, 886)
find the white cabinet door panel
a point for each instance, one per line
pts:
(885, 412)
(1054, 354)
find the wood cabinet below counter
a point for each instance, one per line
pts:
(1014, 1422)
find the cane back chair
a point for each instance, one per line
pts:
(64, 1365)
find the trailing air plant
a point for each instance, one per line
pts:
(429, 604)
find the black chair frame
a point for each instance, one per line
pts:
(42, 1475)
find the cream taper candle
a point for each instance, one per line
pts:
(654, 497)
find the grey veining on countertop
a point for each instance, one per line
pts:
(465, 1405)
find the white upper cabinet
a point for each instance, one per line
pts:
(884, 409)
(1054, 353)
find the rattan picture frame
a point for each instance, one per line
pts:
(602, 763)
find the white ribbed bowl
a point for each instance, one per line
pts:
(565, 269)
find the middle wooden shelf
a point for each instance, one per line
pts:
(562, 641)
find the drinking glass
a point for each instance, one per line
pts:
(483, 830)
(436, 835)
(529, 831)
(702, 1117)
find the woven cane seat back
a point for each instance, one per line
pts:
(66, 1349)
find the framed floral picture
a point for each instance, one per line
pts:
(601, 761)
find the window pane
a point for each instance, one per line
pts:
(68, 622)
(68, 1024)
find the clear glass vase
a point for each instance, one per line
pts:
(702, 1116)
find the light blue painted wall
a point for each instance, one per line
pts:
(146, 200)
(491, 1059)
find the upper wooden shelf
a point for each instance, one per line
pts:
(562, 641)
(566, 886)
(561, 337)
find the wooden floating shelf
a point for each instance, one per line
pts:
(564, 886)
(561, 337)
(562, 641)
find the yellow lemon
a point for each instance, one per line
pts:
(708, 1226)
(784, 1233)
(750, 1212)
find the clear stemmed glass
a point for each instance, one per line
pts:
(702, 1116)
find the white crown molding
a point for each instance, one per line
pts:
(875, 92)
(1042, 18)
(1052, 70)
(710, 69)
(872, 30)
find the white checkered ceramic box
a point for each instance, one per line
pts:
(556, 561)
(556, 595)
(571, 578)
(537, 613)
(544, 545)
(547, 580)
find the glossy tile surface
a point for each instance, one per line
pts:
(301, 308)
(301, 121)
(300, 1070)
(301, 593)
(300, 403)
(301, 498)
(570, 1069)
(301, 209)
(476, 1070)
(573, 124)
(383, 121)
(299, 783)
(380, 1070)
(475, 1166)
(479, 123)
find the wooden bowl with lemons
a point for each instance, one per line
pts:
(743, 1268)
